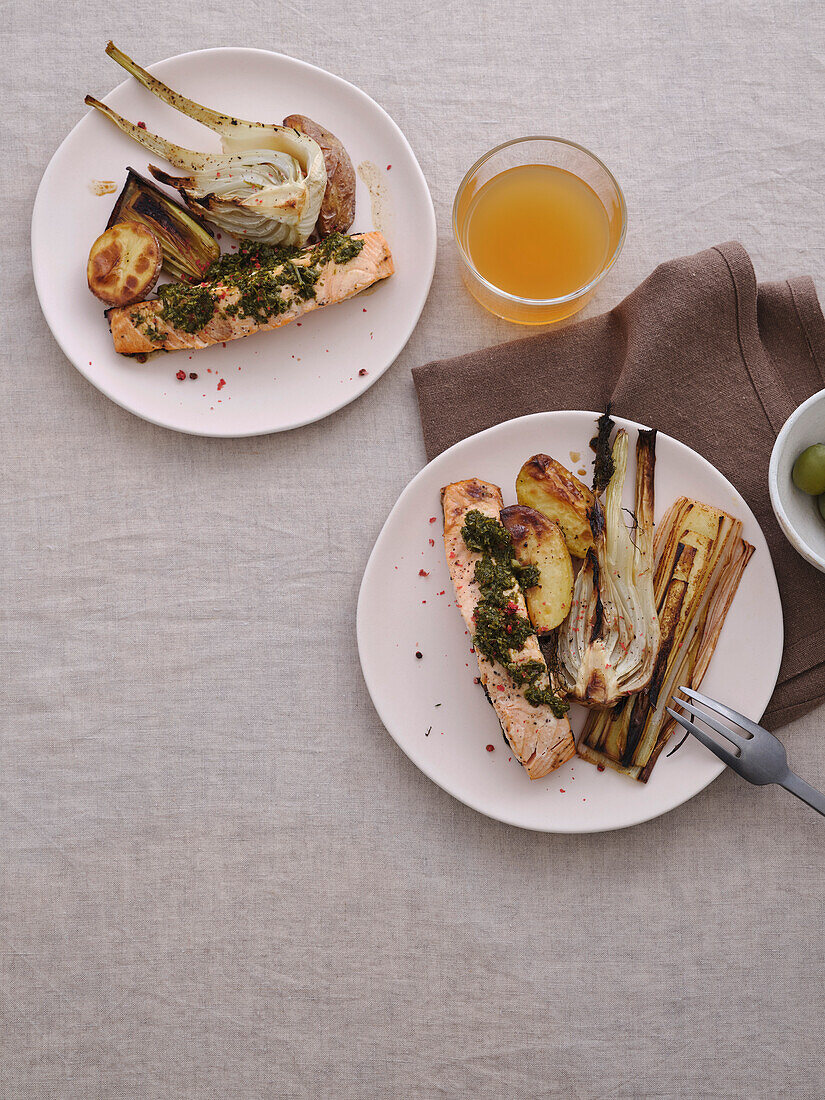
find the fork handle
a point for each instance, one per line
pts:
(805, 791)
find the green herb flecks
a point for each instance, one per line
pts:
(188, 308)
(145, 324)
(528, 576)
(500, 631)
(259, 282)
(337, 247)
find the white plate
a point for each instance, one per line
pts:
(401, 613)
(274, 380)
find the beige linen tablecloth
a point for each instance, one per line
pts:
(219, 877)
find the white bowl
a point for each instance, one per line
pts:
(797, 513)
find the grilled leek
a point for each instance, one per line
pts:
(188, 246)
(701, 557)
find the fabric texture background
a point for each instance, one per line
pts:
(219, 877)
(699, 351)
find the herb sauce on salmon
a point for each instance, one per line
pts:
(262, 287)
(512, 668)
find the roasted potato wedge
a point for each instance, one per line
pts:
(338, 207)
(539, 541)
(551, 489)
(124, 264)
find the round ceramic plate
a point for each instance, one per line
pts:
(273, 380)
(442, 720)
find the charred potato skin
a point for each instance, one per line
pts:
(539, 541)
(124, 264)
(548, 487)
(338, 207)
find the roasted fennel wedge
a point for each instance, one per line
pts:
(608, 644)
(267, 184)
(700, 558)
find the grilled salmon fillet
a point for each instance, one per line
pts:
(540, 740)
(140, 328)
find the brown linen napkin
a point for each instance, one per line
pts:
(700, 352)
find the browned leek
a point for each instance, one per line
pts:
(188, 246)
(700, 557)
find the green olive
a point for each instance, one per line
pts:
(821, 503)
(809, 470)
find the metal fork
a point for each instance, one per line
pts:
(762, 758)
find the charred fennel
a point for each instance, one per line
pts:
(267, 184)
(607, 647)
(700, 557)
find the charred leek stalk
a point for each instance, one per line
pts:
(607, 647)
(268, 184)
(700, 560)
(188, 247)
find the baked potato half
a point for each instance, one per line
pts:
(124, 264)
(550, 488)
(538, 541)
(338, 207)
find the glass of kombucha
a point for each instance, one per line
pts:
(539, 221)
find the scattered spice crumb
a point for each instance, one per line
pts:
(438, 704)
(192, 375)
(476, 679)
(432, 519)
(423, 573)
(431, 541)
(364, 310)
(429, 731)
(562, 790)
(180, 375)
(418, 654)
(363, 372)
(491, 748)
(388, 167)
(221, 384)
(141, 125)
(600, 767)
(103, 186)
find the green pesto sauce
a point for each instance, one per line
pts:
(260, 273)
(500, 630)
(188, 308)
(145, 324)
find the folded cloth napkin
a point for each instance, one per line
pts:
(700, 352)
